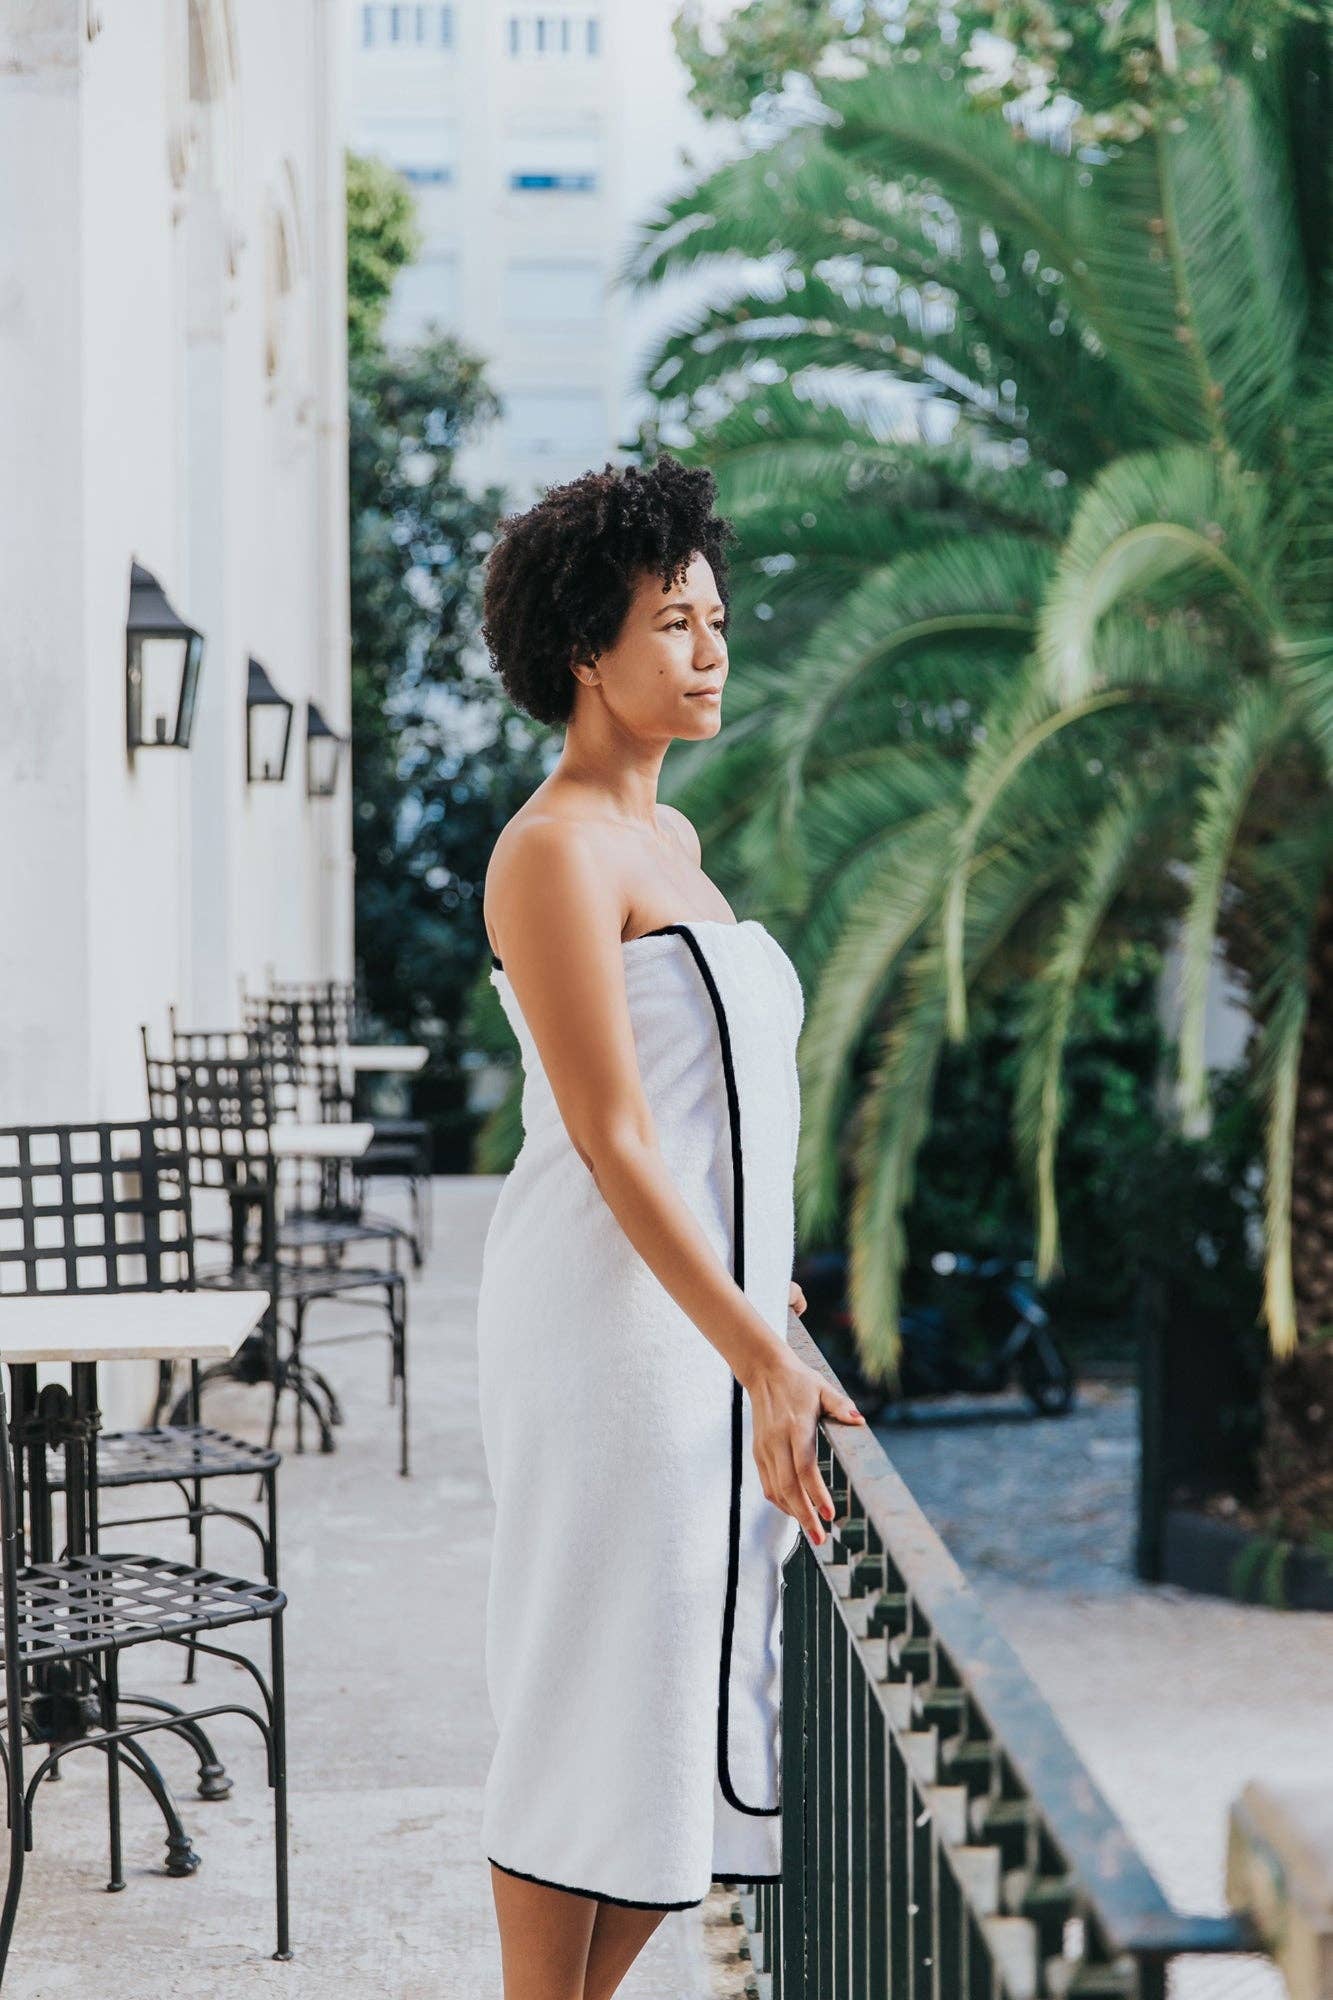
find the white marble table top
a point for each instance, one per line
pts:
(380, 1058)
(319, 1142)
(127, 1326)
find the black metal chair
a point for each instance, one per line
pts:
(322, 1015)
(135, 1174)
(223, 1104)
(105, 1208)
(317, 1208)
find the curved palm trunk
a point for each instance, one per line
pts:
(1296, 1453)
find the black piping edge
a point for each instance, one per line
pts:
(729, 1792)
(624, 1902)
(661, 931)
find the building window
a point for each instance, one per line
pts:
(546, 292)
(566, 162)
(563, 183)
(534, 34)
(565, 424)
(408, 26)
(426, 293)
(422, 150)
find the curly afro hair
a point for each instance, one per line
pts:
(560, 576)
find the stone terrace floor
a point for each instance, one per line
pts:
(1174, 1701)
(389, 1726)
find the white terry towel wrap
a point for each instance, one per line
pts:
(633, 1616)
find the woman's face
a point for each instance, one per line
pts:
(664, 675)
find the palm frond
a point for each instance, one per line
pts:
(1152, 516)
(900, 895)
(986, 586)
(792, 199)
(895, 1109)
(1278, 1071)
(1253, 731)
(1114, 845)
(1240, 256)
(1031, 722)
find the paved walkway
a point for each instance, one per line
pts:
(1175, 1701)
(390, 1730)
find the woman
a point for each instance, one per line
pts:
(649, 1433)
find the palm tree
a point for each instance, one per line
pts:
(1070, 670)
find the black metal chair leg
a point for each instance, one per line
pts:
(214, 1782)
(181, 1856)
(197, 1537)
(163, 1396)
(403, 1465)
(296, 1371)
(278, 1776)
(16, 1796)
(273, 1414)
(326, 1389)
(270, 1480)
(107, 1703)
(307, 1399)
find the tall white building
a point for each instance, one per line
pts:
(534, 138)
(172, 394)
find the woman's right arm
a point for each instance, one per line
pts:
(559, 914)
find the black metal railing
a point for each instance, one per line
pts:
(942, 1839)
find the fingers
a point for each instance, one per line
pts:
(810, 1481)
(839, 1405)
(791, 1479)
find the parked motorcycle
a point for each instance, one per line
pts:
(1019, 1347)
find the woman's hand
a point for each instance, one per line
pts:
(796, 1299)
(787, 1400)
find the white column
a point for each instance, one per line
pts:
(45, 1031)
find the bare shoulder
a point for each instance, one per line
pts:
(546, 861)
(674, 821)
(533, 843)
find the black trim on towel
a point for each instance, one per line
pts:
(625, 1902)
(661, 931)
(729, 1792)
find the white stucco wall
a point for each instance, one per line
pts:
(162, 398)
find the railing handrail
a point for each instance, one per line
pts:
(1119, 1889)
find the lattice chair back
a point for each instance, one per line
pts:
(301, 1033)
(217, 1092)
(94, 1208)
(333, 1005)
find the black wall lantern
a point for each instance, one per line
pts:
(162, 656)
(268, 730)
(323, 755)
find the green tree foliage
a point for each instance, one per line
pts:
(382, 236)
(1024, 421)
(1118, 67)
(441, 759)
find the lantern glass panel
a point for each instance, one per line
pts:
(161, 665)
(194, 653)
(322, 754)
(270, 727)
